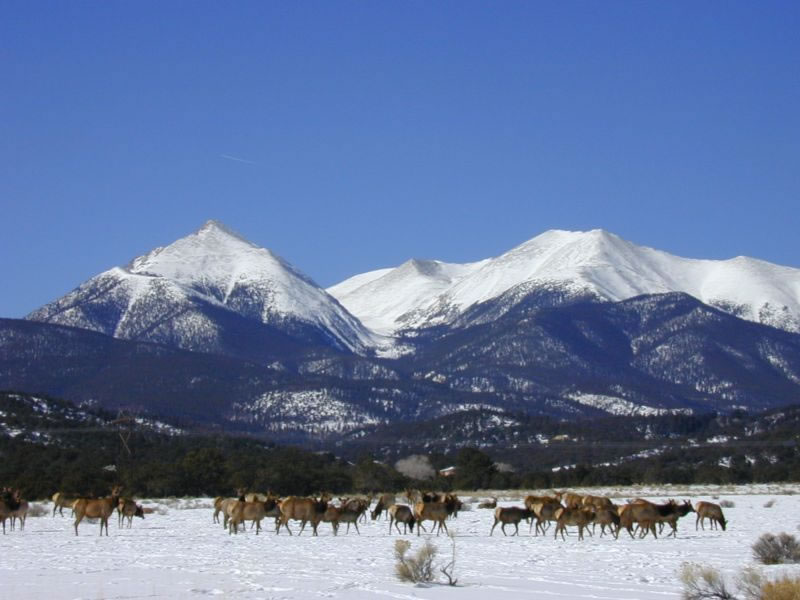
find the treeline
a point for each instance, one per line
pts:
(48, 445)
(160, 465)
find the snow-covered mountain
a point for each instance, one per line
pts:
(593, 264)
(185, 295)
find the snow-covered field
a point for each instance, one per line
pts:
(181, 554)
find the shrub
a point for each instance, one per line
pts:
(769, 503)
(37, 510)
(773, 550)
(414, 569)
(727, 504)
(703, 583)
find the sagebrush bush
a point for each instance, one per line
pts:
(769, 503)
(37, 510)
(776, 549)
(703, 583)
(727, 504)
(417, 568)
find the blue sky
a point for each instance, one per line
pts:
(372, 132)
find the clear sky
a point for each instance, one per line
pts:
(350, 136)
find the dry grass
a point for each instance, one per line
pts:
(786, 588)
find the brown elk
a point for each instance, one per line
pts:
(488, 503)
(100, 508)
(305, 510)
(60, 502)
(545, 509)
(400, 513)
(710, 511)
(127, 509)
(431, 511)
(606, 517)
(597, 502)
(335, 515)
(510, 515)
(20, 512)
(569, 499)
(254, 511)
(8, 504)
(646, 514)
(383, 504)
(580, 517)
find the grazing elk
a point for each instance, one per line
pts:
(400, 513)
(710, 511)
(431, 511)
(60, 502)
(383, 504)
(511, 515)
(128, 509)
(488, 503)
(305, 510)
(100, 508)
(580, 517)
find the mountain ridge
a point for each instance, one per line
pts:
(595, 263)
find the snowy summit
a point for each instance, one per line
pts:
(578, 264)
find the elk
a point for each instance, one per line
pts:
(511, 515)
(580, 517)
(384, 502)
(400, 513)
(306, 510)
(7, 505)
(255, 511)
(597, 502)
(545, 510)
(645, 514)
(127, 508)
(60, 502)
(100, 508)
(342, 514)
(431, 511)
(710, 511)
(488, 503)
(607, 517)
(570, 499)
(20, 512)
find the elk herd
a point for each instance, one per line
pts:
(560, 510)
(638, 517)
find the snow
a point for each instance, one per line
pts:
(619, 406)
(181, 554)
(595, 262)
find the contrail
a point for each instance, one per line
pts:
(237, 159)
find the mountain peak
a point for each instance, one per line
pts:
(215, 228)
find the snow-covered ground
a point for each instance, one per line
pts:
(181, 554)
